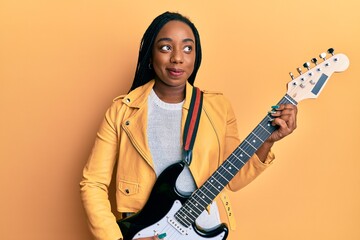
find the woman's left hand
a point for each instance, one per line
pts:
(285, 117)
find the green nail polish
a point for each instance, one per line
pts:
(275, 107)
(161, 236)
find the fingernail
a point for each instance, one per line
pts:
(161, 236)
(275, 107)
(272, 112)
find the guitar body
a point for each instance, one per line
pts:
(157, 216)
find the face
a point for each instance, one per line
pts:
(173, 54)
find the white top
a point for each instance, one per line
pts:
(164, 138)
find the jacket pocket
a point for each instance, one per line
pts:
(128, 188)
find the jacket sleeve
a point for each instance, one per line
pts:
(96, 179)
(254, 167)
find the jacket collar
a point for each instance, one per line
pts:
(138, 97)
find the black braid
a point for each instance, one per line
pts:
(143, 73)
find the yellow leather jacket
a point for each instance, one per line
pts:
(122, 143)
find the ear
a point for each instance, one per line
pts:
(150, 64)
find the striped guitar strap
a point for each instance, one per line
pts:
(192, 123)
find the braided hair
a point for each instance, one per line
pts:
(143, 72)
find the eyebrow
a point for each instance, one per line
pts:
(170, 40)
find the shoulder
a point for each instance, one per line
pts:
(208, 92)
(118, 101)
(215, 97)
(119, 98)
(116, 105)
(216, 101)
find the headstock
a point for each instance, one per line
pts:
(309, 84)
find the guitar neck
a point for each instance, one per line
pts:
(203, 196)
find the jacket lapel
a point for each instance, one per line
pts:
(135, 123)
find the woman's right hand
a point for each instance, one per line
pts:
(148, 238)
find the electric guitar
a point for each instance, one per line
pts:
(167, 211)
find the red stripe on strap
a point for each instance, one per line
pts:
(193, 119)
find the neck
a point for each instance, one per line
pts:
(169, 94)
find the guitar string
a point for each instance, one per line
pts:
(262, 130)
(224, 173)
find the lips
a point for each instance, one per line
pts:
(175, 72)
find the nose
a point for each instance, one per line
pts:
(177, 56)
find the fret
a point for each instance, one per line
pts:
(290, 100)
(221, 176)
(256, 137)
(238, 158)
(190, 212)
(213, 190)
(242, 147)
(203, 196)
(249, 144)
(184, 218)
(227, 171)
(219, 186)
(195, 203)
(212, 186)
(209, 190)
(265, 129)
(228, 168)
(233, 165)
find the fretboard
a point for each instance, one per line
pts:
(204, 195)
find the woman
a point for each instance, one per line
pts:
(141, 133)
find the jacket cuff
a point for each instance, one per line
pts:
(268, 161)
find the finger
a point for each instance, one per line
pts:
(289, 116)
(281, 123)
(281, 113)
(287, 124)
(283, 109)
(291, 125)
(161, 236)
(288, 106)
(285, 113)
(281, 131)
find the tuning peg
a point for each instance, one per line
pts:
(323, 56)
(299, 70)
(314, 61)
(307, 65)
(331, 51)
(291, 75)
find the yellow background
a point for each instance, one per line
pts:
(62, 62)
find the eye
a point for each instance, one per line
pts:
(165, 48)
(188, 49)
